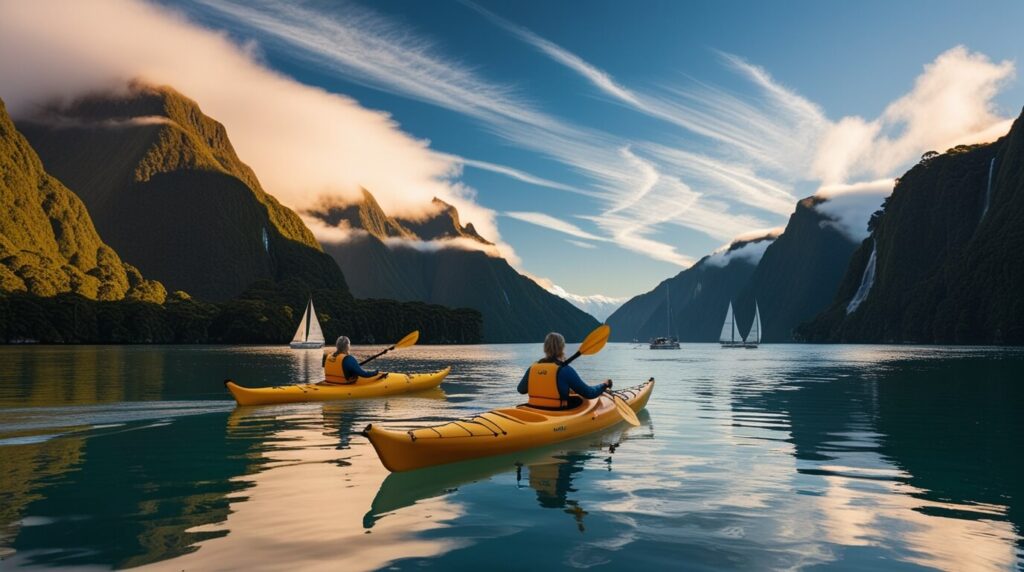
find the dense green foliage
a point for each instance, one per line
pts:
(947, 269)
(514, 307)
(48, 244)
(167, 191)
(177, 198)
(71, 318)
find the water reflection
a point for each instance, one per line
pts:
(875, 452)
(550, 472)
(785, 457)
(311, 487)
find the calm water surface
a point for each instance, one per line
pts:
(846, 457)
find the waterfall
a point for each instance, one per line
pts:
(866, 281)
(988, 190)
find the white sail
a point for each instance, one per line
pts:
(315, 334)
(300, 333)
(754, 335)
(728, 328)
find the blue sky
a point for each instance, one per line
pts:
(674, 72)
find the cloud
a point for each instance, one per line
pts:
(601, 79)
(959, 87)
(749, 247)
(580, 243)
(517, 174)
(370, 49)
(552, 223)
(303, 142)
(336, 234)
(768, 144)
(851, 205)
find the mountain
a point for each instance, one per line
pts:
(168, 192)
(943, 262)
(800, 271)
(162, 180)
(48, 244)
(698, 298)
(436, 259)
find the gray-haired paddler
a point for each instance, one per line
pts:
(550, 381)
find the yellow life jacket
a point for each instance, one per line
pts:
(542, 386)
(333, 372)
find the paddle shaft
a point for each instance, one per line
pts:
(375, 356)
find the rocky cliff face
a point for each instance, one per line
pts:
(438, 260)
(168, 192)
(799, 273)
(48, 244)
(947, 266)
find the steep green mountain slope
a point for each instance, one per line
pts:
(167, 191)
(401, 258)
(947, 255)
(698, 298)
(165, 183)
(799, 273)
(48, 245)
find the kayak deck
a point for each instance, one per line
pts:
(393, 384)
(498, 432)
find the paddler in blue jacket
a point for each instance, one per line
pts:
(548, 382)
(340, 367)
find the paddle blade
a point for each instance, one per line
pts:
(627, 413)
(596, 340)
(408, 340)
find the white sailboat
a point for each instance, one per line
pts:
(730, 336)
(753, 338)
(308, 336)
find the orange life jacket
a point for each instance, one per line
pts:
(333, 371)
(542, 386)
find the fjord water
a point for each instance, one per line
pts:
(788, 456)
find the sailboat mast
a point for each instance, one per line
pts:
(309, 311)
(668, 310)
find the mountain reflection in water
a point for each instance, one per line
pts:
(863, 457)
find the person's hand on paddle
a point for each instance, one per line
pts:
(607, 384)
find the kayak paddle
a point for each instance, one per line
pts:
(593, 343)
(409, 340)
(627, 413)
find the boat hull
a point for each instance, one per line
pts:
(498, 432)
(306, 345)
(394, 384)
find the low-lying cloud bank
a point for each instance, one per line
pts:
(748, 246)
(850, 206)
(303, 142)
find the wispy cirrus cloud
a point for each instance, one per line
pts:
(764, 146)
(369, 49)
(552, 223)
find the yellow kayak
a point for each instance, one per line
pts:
(393, 384)
(498, 432)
